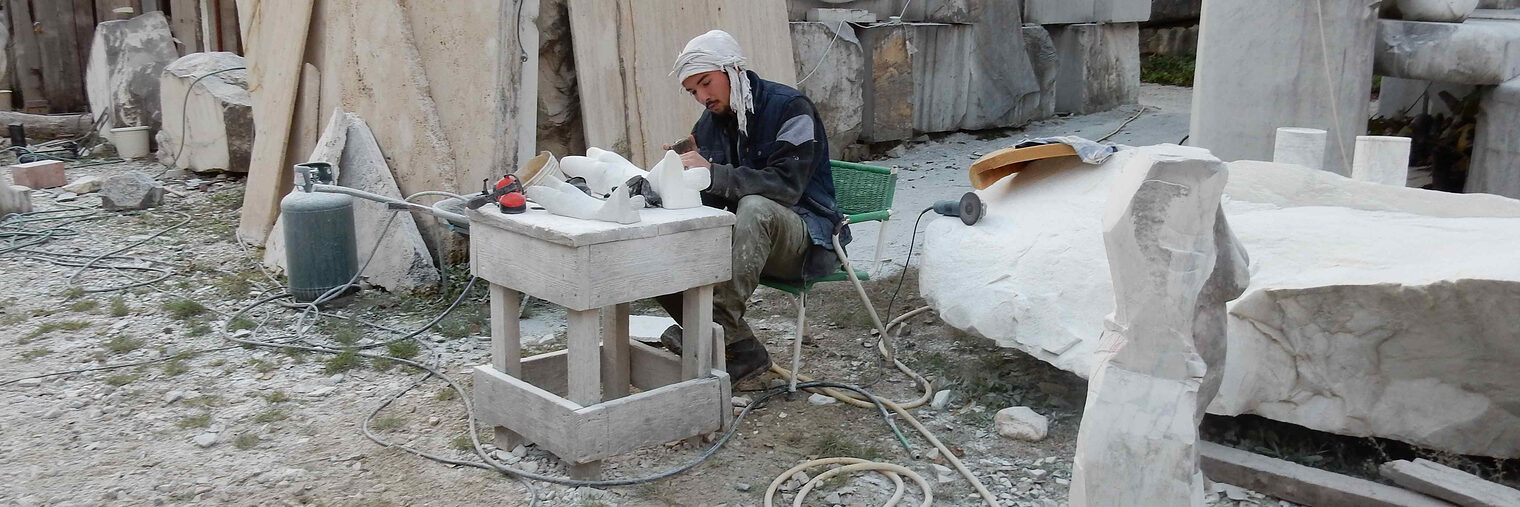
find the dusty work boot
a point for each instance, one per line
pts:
(745, 358)
(671, 338)
(741, 359)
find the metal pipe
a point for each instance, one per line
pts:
(446, 215)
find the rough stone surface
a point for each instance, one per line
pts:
(1481, 52)
(402, 262)
(84, 185)
(971, 77)
(1398, 97)
(1495, 167)
(1052, 12)
(836, 85)
(889, 86)
(797, 10)
(1175, 40)
(127, 58)
(1174, 264)
(560, 128)
(1100, 66)
(130, 191)
(39, 175)
(217, 114)
(1175, 11)
(1394, 246)
(15, 199)
(1241, 95)
(1021, 423)
(1045, 59)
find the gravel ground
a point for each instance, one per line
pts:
(185, 417)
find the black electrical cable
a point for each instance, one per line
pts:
(908, 261)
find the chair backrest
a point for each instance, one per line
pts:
(863, 192)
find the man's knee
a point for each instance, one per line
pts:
(754, 211)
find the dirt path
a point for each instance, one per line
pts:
(205, 423)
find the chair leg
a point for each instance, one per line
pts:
(881, 244)
(797, 341)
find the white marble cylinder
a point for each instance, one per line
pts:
(1381, 159)
(1300, 146)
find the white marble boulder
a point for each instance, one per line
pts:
(834, 67)
(127, 58)
(1100, 66)
(1174, 264)
(1477, 53)
(211, 128)
(130, 191)
(1372, 310)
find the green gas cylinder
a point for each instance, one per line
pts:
(320, 253)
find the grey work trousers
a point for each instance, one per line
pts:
(770, 240)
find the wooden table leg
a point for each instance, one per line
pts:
(696, 332)
(617, 363)
(584, 334)
(506, 347)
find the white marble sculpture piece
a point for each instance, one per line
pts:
(602, 169)
(1381, 159)
(1300, 146)
(564, 199)
(679, 188)
(1393, 275)
(1174, 264)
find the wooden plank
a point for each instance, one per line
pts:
(1300, 484)
(27, 58)
(696, 332)
(84, 34)
(62, 74)
(1449, 484)
(274, 72)
(602, 274)
(227, 26)
(304, 125)
(506, 347)
(637, 106)
(538, 415)
(506, 334)
(583, 334)
(185, 24)
(206, 13)
(597, 60)
(615, 354)
(652, 367)
(666, 414)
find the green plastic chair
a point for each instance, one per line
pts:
(863, 193)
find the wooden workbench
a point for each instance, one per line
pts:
(576, 403)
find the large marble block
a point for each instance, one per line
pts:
(1100, 66)
(208, 127)
(1174, 264)
(1242, 94)
(127, 57)
(834, 68)
(1046, 61)
(1495, 166)
(972, 77)
(1478, 52)
(889, 86)
(1371, 310)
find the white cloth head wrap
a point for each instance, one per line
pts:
(717, 50)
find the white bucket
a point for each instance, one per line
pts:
(5, 100)
(131, 142)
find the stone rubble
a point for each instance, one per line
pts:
(130, 191)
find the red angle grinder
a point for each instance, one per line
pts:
(508, 193)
